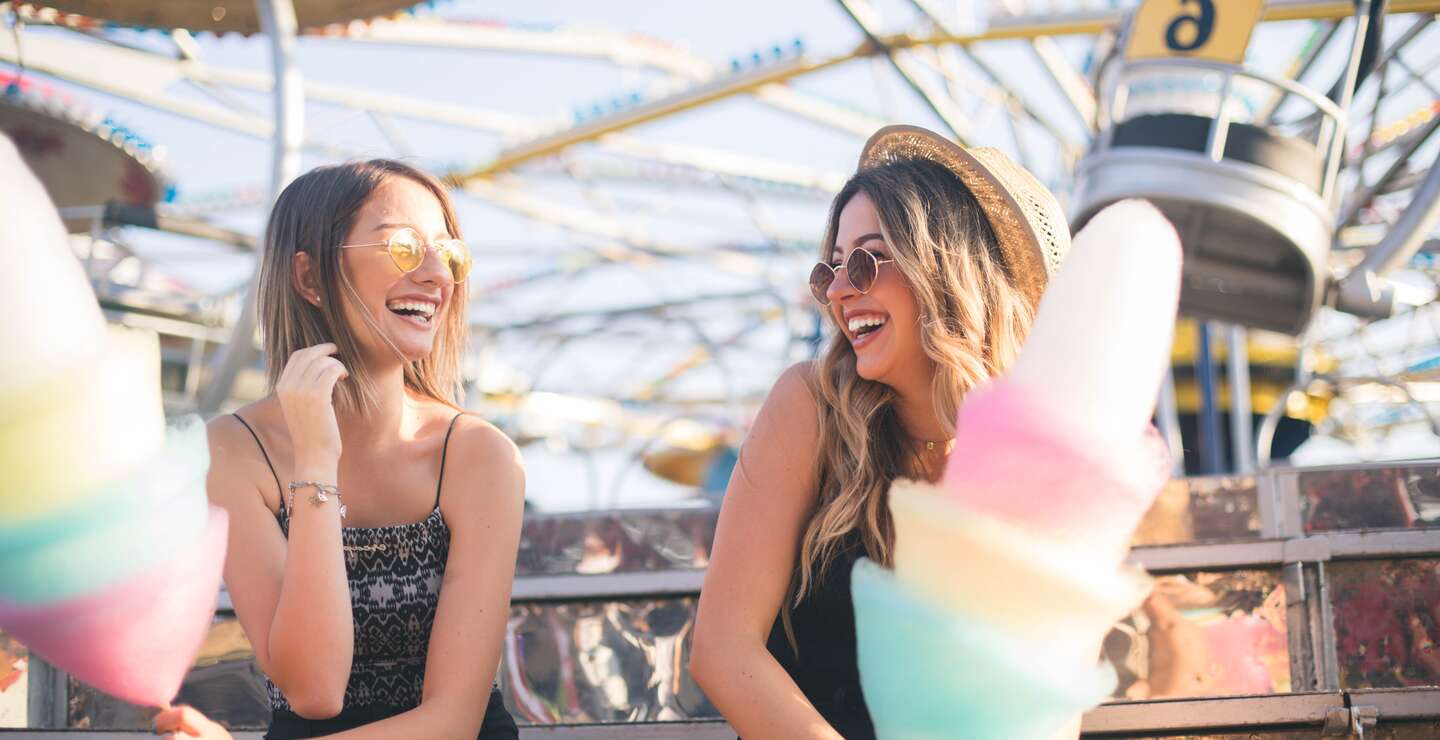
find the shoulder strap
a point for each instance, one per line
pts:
(445, 450)
(279, 488)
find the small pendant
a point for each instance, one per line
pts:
(929, 445)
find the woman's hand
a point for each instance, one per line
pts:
(306, 390)
(179, 723)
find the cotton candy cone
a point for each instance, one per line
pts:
(991, 572)
(135, 641)
(927, 673)
(1100, 344)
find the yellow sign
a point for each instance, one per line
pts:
(1218, 30)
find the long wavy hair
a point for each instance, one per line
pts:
(314, 214)
(973, 321)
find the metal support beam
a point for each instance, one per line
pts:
(1242, 445)
(277, 18)
(1411, 229)
(1314, 46)
(1342, 102)
(47, 699)
(1362, 197)
(934, 97)
(1071, 84)
(1361, 291)
(1168, 413)
(694, 97)
(1208, 420)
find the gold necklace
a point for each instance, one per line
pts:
(929, 447)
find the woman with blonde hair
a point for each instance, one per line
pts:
(373, 524)
(932, 265)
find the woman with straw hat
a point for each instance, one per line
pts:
(931, 267)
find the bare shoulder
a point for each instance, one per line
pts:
(798, 380)
(232, 441)
(235, 434)
(238, 468)
(481, 440)
(486, 466)
(792, 405)
(780, 449)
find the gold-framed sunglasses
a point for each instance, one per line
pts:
(407, 251)
(861, 268)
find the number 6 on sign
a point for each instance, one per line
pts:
(1218, 30)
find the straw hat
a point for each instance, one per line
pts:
(1027, 220)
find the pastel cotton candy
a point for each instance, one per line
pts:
(1016, 459)
(135, 524)
(83, 429)
(1100, 344)
(40, 271)
(110, 558)
(135, 640)
(1008, 576)
(992, 572)
(928, 673)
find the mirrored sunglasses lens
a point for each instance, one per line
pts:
(860, 268)
(406, 249)
(821, 276)
(457, 255)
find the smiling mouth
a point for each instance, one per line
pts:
(863, 329)
(420, 313)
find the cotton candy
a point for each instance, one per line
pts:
(111, 554)
(1008, 574)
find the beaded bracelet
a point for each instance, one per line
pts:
(323, 492)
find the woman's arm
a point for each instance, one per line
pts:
(484, 508)
(771, 496)
(290, 594)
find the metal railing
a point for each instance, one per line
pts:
(1329, 140)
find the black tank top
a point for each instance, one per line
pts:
(826, 669)
(394, 575)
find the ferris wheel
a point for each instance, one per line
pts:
(669, 198)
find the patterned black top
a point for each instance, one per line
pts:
(394, 574)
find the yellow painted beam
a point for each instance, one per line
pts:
(1025, 27)
(703, 94)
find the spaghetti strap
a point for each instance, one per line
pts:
(444, 450)
(266, 455)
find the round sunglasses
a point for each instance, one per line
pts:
(861, 268)
(407, 251)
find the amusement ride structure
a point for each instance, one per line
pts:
(643, 255)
